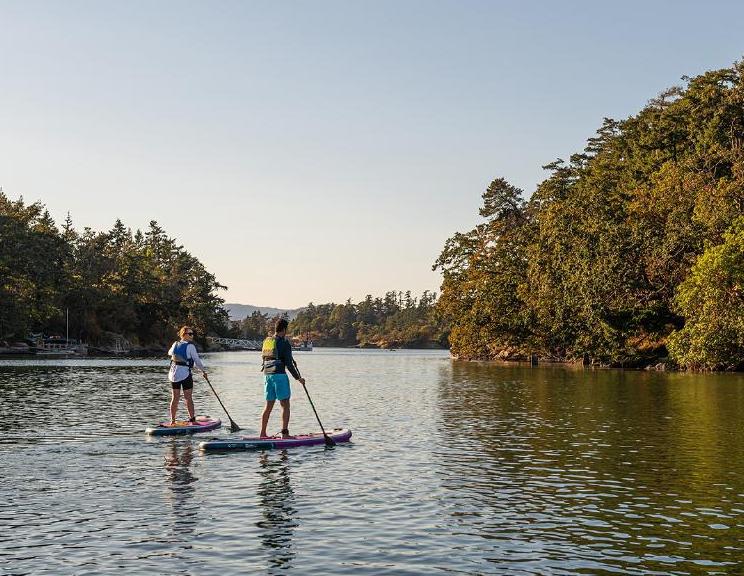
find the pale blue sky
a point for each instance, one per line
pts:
(322, 150)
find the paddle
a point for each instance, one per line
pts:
(233, 426)
(328, 440)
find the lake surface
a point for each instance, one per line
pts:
(453, 468)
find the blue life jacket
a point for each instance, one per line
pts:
(179, 357)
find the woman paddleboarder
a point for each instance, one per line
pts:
(184, 357)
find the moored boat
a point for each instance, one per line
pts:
(302, 346)
(56, 346)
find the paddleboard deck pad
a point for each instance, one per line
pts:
(203, 424)
(256, 443)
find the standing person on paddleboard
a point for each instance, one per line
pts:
(276, 354)
(183, 358)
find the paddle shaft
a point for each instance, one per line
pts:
(328, 440)
(233, 426)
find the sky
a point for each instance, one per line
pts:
(322, 150)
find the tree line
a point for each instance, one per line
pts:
(143, 285)
(630, 252)
(396, 320)
(140, 285)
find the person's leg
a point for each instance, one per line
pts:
(265, 417)
(175, 396)
(285, 417)
(187, 396)
(283, 393)
(188, 386)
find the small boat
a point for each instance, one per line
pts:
(56, 346)
(300, 344)
(256, 443)
(305, 346)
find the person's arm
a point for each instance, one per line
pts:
(288, 360)
(195, 357)
(172, 348)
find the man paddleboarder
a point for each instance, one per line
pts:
(276, 354)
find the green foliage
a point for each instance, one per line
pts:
(397, 320)
(482, 272)
(142, 286)
(589, 265)
(254, 327)
(31, 254)
(712, 301)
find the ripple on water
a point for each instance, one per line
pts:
(454, 468)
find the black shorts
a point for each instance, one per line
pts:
(187, 383)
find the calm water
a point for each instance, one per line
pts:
(453, 468)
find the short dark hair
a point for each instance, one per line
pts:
(281, 325)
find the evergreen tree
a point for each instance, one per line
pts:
(588, 267)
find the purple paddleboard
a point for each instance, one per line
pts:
(256, 443)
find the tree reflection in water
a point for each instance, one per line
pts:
(603, 468)
(276, 497)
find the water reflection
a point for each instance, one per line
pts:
(64, 401)
(178, 458)
(276, 497)
(457, 469)
(594, 469)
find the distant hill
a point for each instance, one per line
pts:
(241, 311)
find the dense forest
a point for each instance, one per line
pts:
(629, 253)
(397, 320)
(141, 286)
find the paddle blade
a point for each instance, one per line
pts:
(328, 440)
(234, 427)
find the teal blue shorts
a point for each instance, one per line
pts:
(276, 387)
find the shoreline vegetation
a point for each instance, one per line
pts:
(396, 320)
(126, 292)
(115, 287)
(630, 254)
